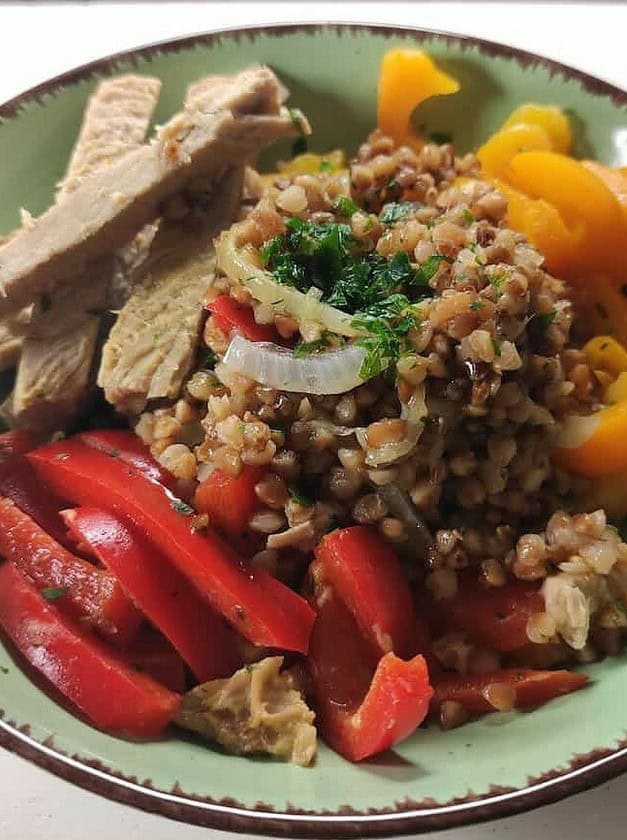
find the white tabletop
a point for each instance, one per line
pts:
(42, 40)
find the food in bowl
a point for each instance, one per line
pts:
(360, 477)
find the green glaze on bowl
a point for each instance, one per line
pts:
(498, 765)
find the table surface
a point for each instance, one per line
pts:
(36, 805)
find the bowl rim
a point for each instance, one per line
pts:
(583, 772)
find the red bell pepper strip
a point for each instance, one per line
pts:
(83, 591)
(230, 315)
(15, 442)
(152, 654)
(20, 483)
(162, 593)
(261, 608)
(230, 502)
(105, 688)
(495, 617)
(128, 447)
(364, 705)
(532, 688)
(362, 568)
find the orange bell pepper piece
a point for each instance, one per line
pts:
(549, 117)
(407, 78)
(543, 226)
(605, 353)
(614, 179)
(499, 149)
(595, 445)
(585, 203)
(601, 305)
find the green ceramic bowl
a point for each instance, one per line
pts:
(496, 766)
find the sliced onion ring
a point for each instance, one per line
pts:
(239, 264)
(332, 372)
(413, 412)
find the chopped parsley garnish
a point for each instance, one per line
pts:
(496, 347)
(396, 212)
(391, 184)
(497, 281)
(53, 593)
(429, 268)
(327, 257)
(299, 146)
(325, 166)
(467, 216)
(306, 348)
(441, 138)
(209, 360)
(297, 119)
(476, 305)
(545, 320)
(300, 496)
(345, 205)
(181, 507)
(384, 327)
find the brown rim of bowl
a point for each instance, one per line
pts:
(583, 773)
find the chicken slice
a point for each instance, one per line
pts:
(151, 346)
(257, 710)
(116, 121)
(107, 209)
(57, 350)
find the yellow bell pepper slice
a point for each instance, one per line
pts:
(587, 206)
(407, 78)
(309, 163)
(499, 149)
(605, 353)
(595, 445)
(549, 117)
(617, 391)
(543, 226)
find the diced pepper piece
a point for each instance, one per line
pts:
(128, 447)
(366, 575)
(495, 617)
(587, 206)
(106, 689)
(161, 592)
(365, 704)
(152, 654)
(549, 117)
(497, 152)
(230, 315)
(532, 688)
(85, 592)
(543, 226)
(407, 78)
(605, 353)
(594, 445)
(261, 608)
(230, 501)
(20, 483)
(15, 442)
